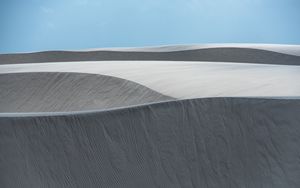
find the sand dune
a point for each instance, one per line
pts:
(174, 117)
(39, 92)
(187, 79)
(218, 54)
(221, 142)
(280, 48)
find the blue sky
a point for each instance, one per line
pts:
(36, 25)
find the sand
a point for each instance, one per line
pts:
(262, 55)
(186, 80)
(174, 117)
(54, 91)
(280, 48)
(220, 142)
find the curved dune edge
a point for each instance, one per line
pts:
(221, 54)
(141, 106)
(54, 91)
(217, 142)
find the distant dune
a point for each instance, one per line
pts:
(218, 53)
(223, 115)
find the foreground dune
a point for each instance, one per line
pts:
(221, 142)
(182, 116)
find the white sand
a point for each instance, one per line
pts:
(187, 79)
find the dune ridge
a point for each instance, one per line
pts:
(221, 54)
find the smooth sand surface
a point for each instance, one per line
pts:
(187, 79)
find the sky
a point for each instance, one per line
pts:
(39, 25)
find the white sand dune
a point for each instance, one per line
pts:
(187, 79)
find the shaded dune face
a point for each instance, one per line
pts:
(207, 143)
(224, 54)
(49, 92)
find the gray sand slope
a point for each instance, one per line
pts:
(221, 54)
(210, 143)
(40, 92)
